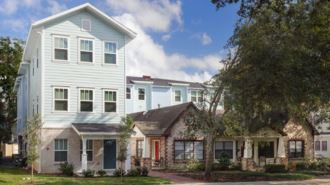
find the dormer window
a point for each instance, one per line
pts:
(86, 25)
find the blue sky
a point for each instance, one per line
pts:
(182, 39)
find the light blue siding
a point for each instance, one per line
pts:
(161, 97)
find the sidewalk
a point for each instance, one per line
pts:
(175, 178)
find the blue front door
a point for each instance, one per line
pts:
(109, 154)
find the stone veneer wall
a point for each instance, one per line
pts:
(47, 157)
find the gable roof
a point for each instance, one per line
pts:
(162, 82)
(159, 121)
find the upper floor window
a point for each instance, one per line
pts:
(86, 50)
(110, 98)
(324, 145)
(141, 94)
(110, 52)
(60, 99)
(177, 96)
(86, 25)
(128, 93)
(86, 100)
(61, 150)
(196, 96)
(60, 48)
(296, 149)
(317, 145)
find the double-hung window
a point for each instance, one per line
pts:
(86, 50)
(110, 101)
(110, 53)
(60, 48)
(61, 150)
(128, 93)
(324, 145)
(141, 94)
(177, 95)
(317, 146)
(139, 148)
(223, 147)
(196, 96)
(60, 99)
(89, 149)
(296, 149)
(185, 150)
(86, 100)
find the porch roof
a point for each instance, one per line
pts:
(96, 129)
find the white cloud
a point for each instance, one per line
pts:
(55, 7)
(154, 15)
(145, 56)
(10, 7)
(206, 39)
(166, 37)
(15, 25)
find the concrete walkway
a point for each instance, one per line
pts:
(175, 178)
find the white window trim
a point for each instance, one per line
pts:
(53, 47)
(103, 52)
(81, 25)
(67, 150)
(81, 149)
(180, 95)
(139, 95)
(61, 87)
(93, 52)
(111, 90)
(90, 89)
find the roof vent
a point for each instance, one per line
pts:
(145, 77)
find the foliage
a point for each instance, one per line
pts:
(119, 172)
(66, 169)
(102, 173)
(10, 57)
(144, 171)
(224, 161)
(275, 168)
(33, 140)
(319, 164)
(88, 173)
(133, 173)
(195, 165)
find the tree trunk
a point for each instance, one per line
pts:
(32, 172)
(209, 156)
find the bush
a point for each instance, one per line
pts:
(195, 165)
(144, 171)
(133, 173)
(224, 162)
(323, 164)
(301, 166)
(66, 169)
(236, 166)
(119, 172)
(88, 173)
(275, 168)
(101, 173)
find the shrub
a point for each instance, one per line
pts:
(144, 171)
(301, 166)
(275, 168)
(133, 173)
(224, 162)
(236, 166)
(101, 173)
(195, 165)
(323, 164)
(88, 173)
(66, 169)
(119, 172)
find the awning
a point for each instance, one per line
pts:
(96, 129)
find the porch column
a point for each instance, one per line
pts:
(281, 148)
(84, 155)
(248, 148)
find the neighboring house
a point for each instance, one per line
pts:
(146, 93)
(73, 76)
(159, 141)
(322, 141)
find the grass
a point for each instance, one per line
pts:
(14, 176)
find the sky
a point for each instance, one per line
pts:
(176, 39)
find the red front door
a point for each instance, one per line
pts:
(157, 150)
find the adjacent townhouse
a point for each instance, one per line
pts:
(322, 141)
(73, 75)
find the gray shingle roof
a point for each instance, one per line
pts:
(96, 127)
(158, 121)
(162, 82)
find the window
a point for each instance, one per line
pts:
(60, 99)
(139, 148)
(185, 150)
(223, 147)
(324, 146)
(110, 98)
(110, 52)
(89, 149)
(196, 96)
(37, 58)
(317, 146)
(61, 48)
(177, 95)
(86, 50)
(128, 93)
(296, 149)
(141, 94)
(61, 150)
(86, 100)
(266, 149)
(86, 25)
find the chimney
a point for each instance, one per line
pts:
(145, 77)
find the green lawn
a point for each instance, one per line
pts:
(15, 176)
